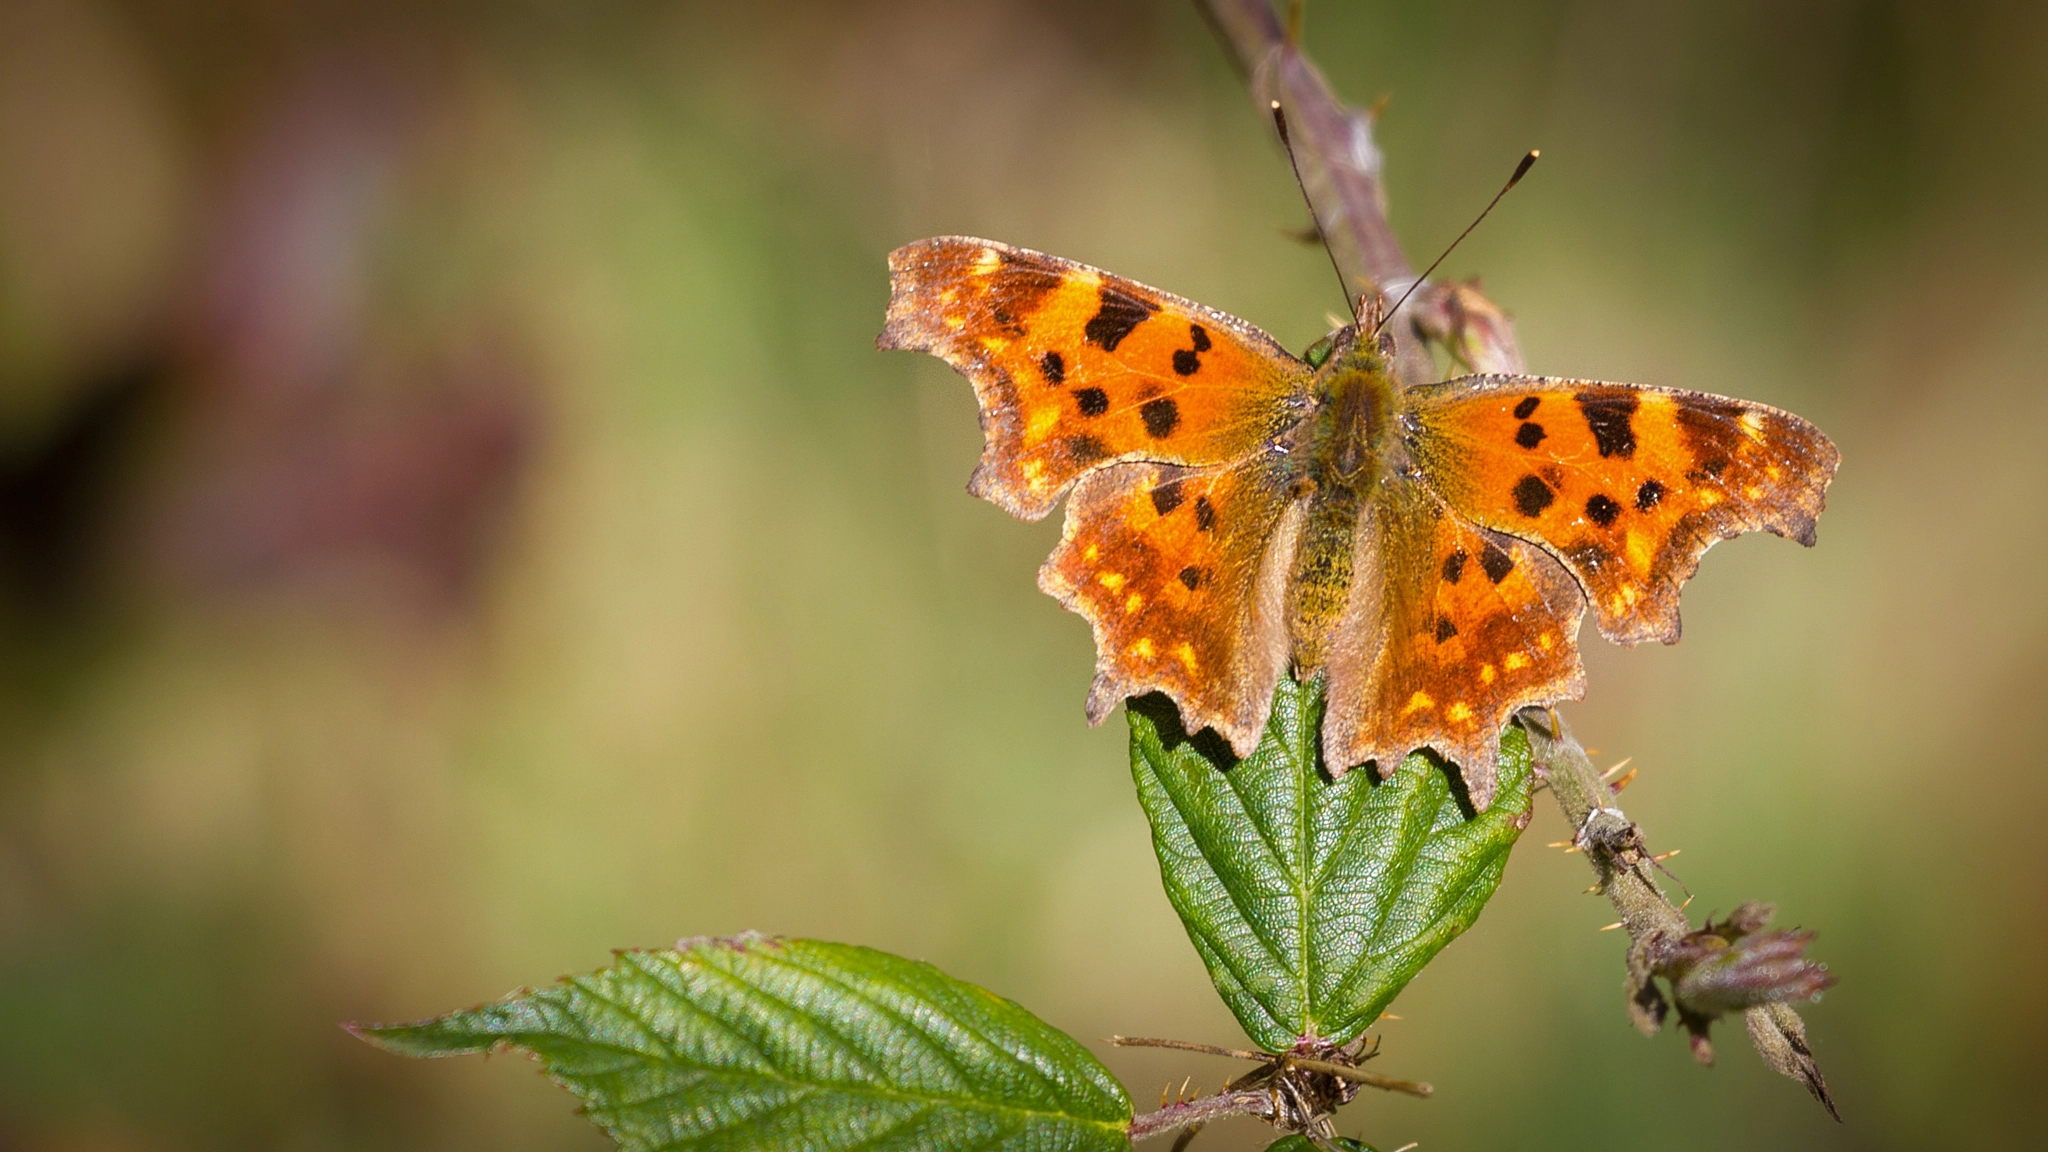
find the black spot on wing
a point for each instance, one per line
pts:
(1495, 562)
(1454, 566)
(1601, 510)
(1161, 417)
(1054, 368)
(1205, 513)
(1190, 577)
(1113, 320)
(1529, 435)
(1649, 495)
(1085, 449)
(1532, 496)
(1445, 629)
(1093, 401)
(1527, 407)
(1611, 416)
(1188, 361)
(1167, 497)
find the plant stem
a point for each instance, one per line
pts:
(1180, 1114)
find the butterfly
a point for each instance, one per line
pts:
(1238, 513)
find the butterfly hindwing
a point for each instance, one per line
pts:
(1627, 485)
(1181, 574)
(1075, 368)
(1451, 628)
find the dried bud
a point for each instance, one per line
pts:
(1478, 335)
(1735, 965)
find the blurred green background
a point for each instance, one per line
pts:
(453, 522)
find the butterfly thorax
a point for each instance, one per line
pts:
(1338, 456)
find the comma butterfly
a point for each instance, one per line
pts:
(1237, 511)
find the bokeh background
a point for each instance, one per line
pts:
(453, 522)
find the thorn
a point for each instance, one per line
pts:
(1609, 774)
(1163, 1089)
(1590, 891)
(1625, 781)
(1331, 319)
(1182, 1094)
(1409, 1146)
(1687, 904)
(1592, 751)
(1391, 1016)
(1667, 855)
(1611, 927)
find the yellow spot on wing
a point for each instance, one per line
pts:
(1486, 673)
(1091, 553)
(1042, 420)
(986, 261)
(1545, 641)
(1418, 703)
(1458, 713)
(1113, 581)
(1515, 662)
(1640, 550)
(1133, 602)
(1143, 648)
(1185, 653)
(1753, 425)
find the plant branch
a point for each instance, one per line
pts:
(1725, 966)
(1183, 1113)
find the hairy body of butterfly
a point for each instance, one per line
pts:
(1238, 513)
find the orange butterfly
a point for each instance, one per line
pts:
(1238, 511)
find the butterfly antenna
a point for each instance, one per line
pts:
(1287, 142)
(1521, 170)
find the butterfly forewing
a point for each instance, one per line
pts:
(1075, 368)
(1627, 485)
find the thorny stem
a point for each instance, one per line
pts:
(1621, 867)
(1182, 1114)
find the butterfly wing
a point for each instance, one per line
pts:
(1627, 485)
(1449, 629)
(1181, 573)
(1075, 368)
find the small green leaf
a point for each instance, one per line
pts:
(760, 1043)
(1314, 902)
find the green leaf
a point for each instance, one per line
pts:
(1314, 902)
(760, 1043)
